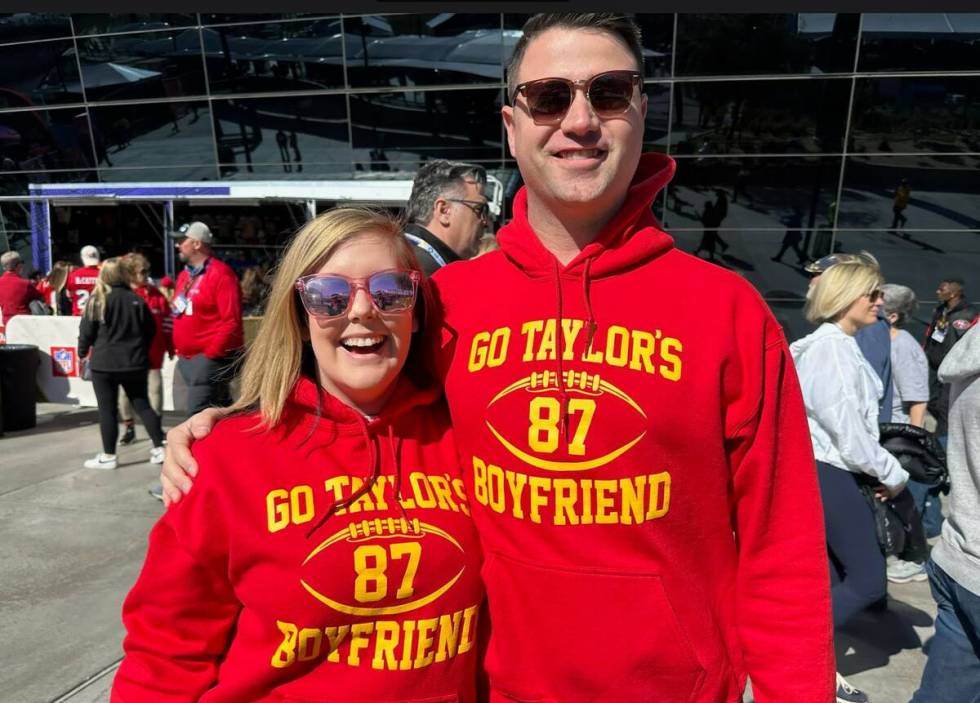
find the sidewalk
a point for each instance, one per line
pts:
(72, 541)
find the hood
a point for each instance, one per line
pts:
(633, 236)
(827, 329)
(963, 360)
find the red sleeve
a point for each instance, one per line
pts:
(783, 584)
(226, 335)
(178, 617)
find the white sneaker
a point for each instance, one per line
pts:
(906, 572)
(846, 693)
(156, 455)
(101, 461)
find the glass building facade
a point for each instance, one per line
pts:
(792, 132)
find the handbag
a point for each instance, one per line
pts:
(890, 529)
(85, 368)
(919, 453)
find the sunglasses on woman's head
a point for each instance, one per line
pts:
(548, 99)
(331, 296)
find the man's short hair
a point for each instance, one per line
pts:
(620, 26)
(956, 281)
(439, 179)
(10, 260)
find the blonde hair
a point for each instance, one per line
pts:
(840, 285)
(135, 263)
(274, 360)
(58, 275)
(112, 272)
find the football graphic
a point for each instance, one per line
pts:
(598, 424)
(388, 558)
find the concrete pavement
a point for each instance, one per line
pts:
(72, 541)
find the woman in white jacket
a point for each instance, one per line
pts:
(841, 393)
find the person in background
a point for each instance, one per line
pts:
(447, 212)
(53, 288)
(254, 292)
(841, 392)
(81, 281)
(951, 319)
(117, 328)
(16, 292)
(138, 267)
(902, 194)
(952, 672)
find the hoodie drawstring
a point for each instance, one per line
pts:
(588, 305)
(560, 340)
(396, 457)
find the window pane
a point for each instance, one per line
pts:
(17, 183)
(100, 23)
(658, 107)
(730, 44)
(910, 41)
(942, 193)
(158, 175)
(408, 50)
(917, 114)
(768, 117)
(27, 26)
(45, 139)
(45, 73)
(239, 17)
(395, 130)
(290, 135)
(155, 134)
(279, 56)
(141, 66)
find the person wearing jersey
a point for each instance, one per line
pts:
(82, 280)
(447, 212)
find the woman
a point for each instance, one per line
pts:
(138, 267)
(910, 369)
(254, 292)
(117, 327)
(52, 287)
(326, 551)
(841, 392)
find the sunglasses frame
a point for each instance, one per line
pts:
(356, 284)
(586, 85)
(480, 209)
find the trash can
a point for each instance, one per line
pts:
(18, 383)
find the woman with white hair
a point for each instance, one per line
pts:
(841, 393)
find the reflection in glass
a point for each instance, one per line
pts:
(756, 193)
(45, 139)
(155, 134)
(44, 73)
(17, 183)
(937, 114)
(142, 66)
(100, 23)
(395, 131)
(658, 107)
(239, 17)
(731, 44)
(753, 117)
(28, 26)
(289, 134)
(908, 41)
(409, 50)
(158, 175)
(910, 192)
(277, 56)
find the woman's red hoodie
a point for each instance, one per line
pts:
(638, 461)
(247, 596)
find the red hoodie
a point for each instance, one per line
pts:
(647, 504)
(246, 596)
(163, 339)
(79, 285)
(211, 324)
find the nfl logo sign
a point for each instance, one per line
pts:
(63, 361)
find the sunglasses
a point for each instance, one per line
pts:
(548, 99)
(876, 294)
(332, 296)
(480, 208)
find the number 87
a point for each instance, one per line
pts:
(544, 414)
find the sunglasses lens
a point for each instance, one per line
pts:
(611, 94)
(392, 291)
(548, 100)
(326, 296)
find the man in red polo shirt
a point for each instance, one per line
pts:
(82, 280)
(16, 292)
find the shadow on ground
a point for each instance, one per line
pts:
(873, 637)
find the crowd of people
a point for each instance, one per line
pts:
(644, 505)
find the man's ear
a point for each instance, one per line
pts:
(442, 211)
(507, 113)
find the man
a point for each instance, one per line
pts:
(952, 672)
(207, 314)
(447, 211)
(16, 292)
(950, 321)
(902, 195)
(82, 280)
(646, 537)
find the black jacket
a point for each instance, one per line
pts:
(122, 340)
(429, 264)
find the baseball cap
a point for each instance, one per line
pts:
(89, 255)
(194, 230)
(825, 262)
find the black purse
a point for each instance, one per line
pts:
(890, 529)
(918, 451)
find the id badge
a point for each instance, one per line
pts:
(938, 335)
(181, 305)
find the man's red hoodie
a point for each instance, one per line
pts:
(247, 594)
(637, 457)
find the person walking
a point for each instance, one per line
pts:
(81, 281)
(117, 328)
(902, 194)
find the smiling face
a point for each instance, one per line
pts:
(360, 353)
(582, 163)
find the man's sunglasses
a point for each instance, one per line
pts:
(331, 296)
(548, 99)
(480, 208)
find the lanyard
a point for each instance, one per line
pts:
(426, 247)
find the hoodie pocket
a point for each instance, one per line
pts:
(573, 635)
